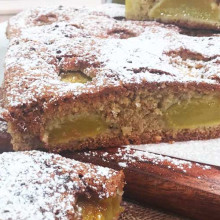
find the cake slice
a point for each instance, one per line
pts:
(152, 178)
(37, 185)
(204, 14)
(95, 81)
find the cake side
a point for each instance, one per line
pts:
(68, 183)
(124, 117)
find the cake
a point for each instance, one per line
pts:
(38, 185)
(95, 79)
(198, 14)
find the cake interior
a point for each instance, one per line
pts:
(136, 113)
(133, 116)
(75, 77)
(96, 209)
(171, 10)
(197, 112)
(193, 113)
(75, 127)
(198, 9)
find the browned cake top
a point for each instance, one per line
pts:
(113, 52)
(37, 185)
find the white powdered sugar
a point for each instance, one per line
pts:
(122, 164)
(37, 185)
(3, 126)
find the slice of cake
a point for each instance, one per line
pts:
(187, 13)
(95, 81)
(37, 185)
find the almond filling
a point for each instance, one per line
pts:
(106, 209)
(197, 9)
(197, 112)
(171, 10)
(75, 127)
(75, 77)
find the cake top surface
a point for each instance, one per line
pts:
(111, 50)
(38, 185)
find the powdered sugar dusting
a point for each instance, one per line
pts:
(142, 156)
(3, 126)
(113, 52)
(122, 164)
(128, 157)
(37, 185)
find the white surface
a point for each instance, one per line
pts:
(199, 151)
(15, 6)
